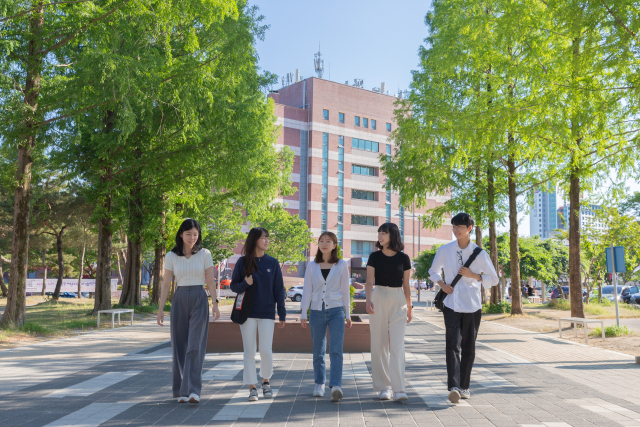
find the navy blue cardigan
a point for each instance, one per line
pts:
(269, 287)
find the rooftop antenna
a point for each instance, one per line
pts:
(318, 62)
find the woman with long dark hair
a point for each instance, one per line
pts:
(326, 292)
(262, 272)
(191, 265)
(389, 305)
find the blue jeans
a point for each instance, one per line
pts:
(319, 320)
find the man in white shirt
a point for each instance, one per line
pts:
(463, 304)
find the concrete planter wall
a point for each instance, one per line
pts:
(361, 307)
(224, 336)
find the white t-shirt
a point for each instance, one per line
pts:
(189, 272)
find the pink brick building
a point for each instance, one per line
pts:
(338, 133)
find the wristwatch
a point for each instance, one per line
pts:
(216, 300)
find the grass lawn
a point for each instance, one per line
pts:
(592, 310)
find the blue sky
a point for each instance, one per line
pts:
(376, 41)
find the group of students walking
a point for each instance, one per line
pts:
(325, 306)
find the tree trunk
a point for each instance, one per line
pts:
(131, 287)
(119, 267)
(3, 287)
(514, 246)
(84, 247)
(44, 272)
(56, 293)
(16, 298)
(493, 237)
(103, 270)
(158, 264)
(575, 282)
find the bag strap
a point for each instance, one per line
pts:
(472, 258)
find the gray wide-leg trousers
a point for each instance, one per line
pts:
(189, 330)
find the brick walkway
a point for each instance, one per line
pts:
(122, 378)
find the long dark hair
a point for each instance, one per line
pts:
(249, 249)
(187, 225)
(395, 241)
(334, 253)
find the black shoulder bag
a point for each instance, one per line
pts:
(243, 304)
(441, 295)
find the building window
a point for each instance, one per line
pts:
(359, 247)
(341, 117)
(388, 127)
(388, 149)
(363, 195)
(363, 170)
(363, 220)
(363, 144)
(325, 114)
(357, 120)
(388, 212)
(373, 124)
(325, 180)
(340, 187)
(365, 123)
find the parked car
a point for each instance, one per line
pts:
(68, 295)
(607, 292)
(359, 294)
(629, 295)
(295, 293)
(556, 292)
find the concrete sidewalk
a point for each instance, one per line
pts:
(122, 378)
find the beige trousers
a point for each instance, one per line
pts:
(387, 326)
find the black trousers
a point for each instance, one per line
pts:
(461, 334)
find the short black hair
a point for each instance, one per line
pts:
(187, 225)
(395, 241)
(462, 219)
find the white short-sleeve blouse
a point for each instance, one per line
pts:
(189, 272)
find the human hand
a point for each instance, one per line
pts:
(447, 289)
(465, 272)
(249, 280)
(160, 318)
(281, 324)
(369, 307)
(215, 312)
(303, 323)
(409, 314)
(348, 324)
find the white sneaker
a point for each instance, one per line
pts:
(182, 399)
(194, 398)
(385, 395)
(336, 394)
(253, 395)
(400, 396)
(454, 395)
(465, 394)
(318, 391)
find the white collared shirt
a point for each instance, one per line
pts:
(334, 291)
(466, 297)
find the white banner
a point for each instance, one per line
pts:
(68, 285)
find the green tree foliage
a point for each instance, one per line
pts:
(289, 235)
(423, 262)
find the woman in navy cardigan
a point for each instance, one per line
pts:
(256, 268)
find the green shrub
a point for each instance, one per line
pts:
(612, 331)
(501, 307)
(560, 304)
(33, 328)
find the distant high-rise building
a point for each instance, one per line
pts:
(543, 216)
(588, 217)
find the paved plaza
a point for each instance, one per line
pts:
(122, 378)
